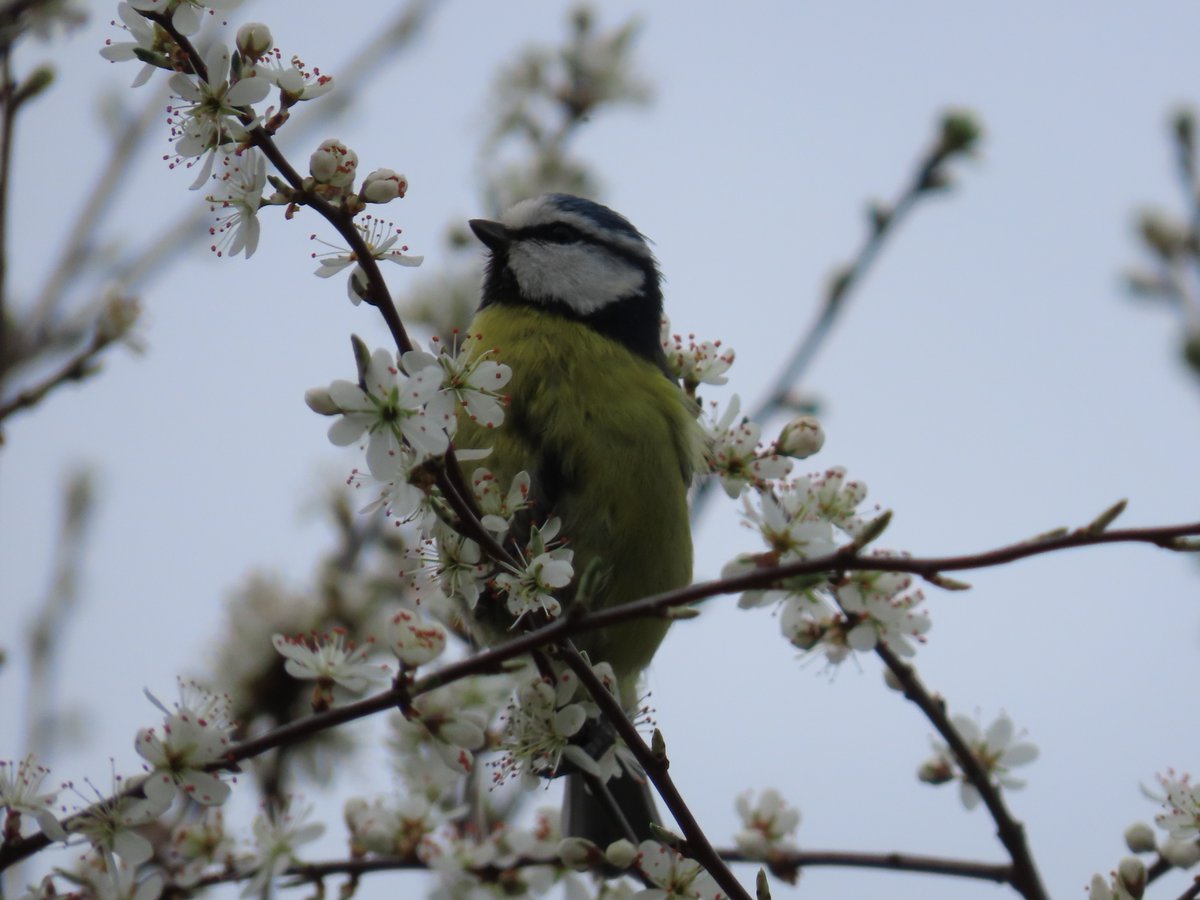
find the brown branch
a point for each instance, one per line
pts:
(490, 661)
(1024, 874)
(785, 864)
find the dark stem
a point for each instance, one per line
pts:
(698, 846)
(1024, 875)
(837, 294)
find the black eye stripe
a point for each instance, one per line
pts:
(554, 233)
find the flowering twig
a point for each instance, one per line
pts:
(1024, 874)
(375, 292)
(784, 864)
(958, 134)
(491, 660)
(656, 765)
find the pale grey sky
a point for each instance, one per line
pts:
(989, 382)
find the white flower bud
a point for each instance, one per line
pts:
(320, 402)
(415, 639)
(1139, 838)
(383, 185)
(890, 679)
(333, 163)
(1099, 889)
(801, 438)
(620, 854)
(254, 40)
(1183, 854)
(579, 854)
(1131, 873)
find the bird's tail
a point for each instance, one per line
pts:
(588, 814)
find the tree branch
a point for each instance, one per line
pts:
(1024, 875)
(490, 661)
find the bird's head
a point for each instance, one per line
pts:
(575, 258)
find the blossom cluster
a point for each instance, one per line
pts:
(998, 749)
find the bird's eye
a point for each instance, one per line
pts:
(559, 233)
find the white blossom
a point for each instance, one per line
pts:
(733, 453)
(380, 238)
(766, 824)
(277, 835)
(21, 792)
(330, 659)
(208, 119)
(236, 202)
(674, 875)
(196, 733)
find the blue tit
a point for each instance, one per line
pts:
(572, 303)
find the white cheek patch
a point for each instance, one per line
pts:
(583, 277)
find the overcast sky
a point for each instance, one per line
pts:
(990, 381)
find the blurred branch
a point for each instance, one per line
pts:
(50, 626)
(78, 247)
(958, 135)
(80, 366)
(385, 47)
(7, 115)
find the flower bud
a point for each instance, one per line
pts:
(620, 854)
(320, 402)
(383, 185)
(1131, 873)
(333, 163)
(579, 854)
(1139, 838)
(254, 40)
(890, 679)
(960, 131)
(1099, 889)
(935, 771)
(1183, 854)
(801, 438)
(415, 639)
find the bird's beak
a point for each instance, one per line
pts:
(493, 234)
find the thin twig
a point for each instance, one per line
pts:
(785, 863)
(80, 366)
(699, 847)
(1024, 876)
(884, 223)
